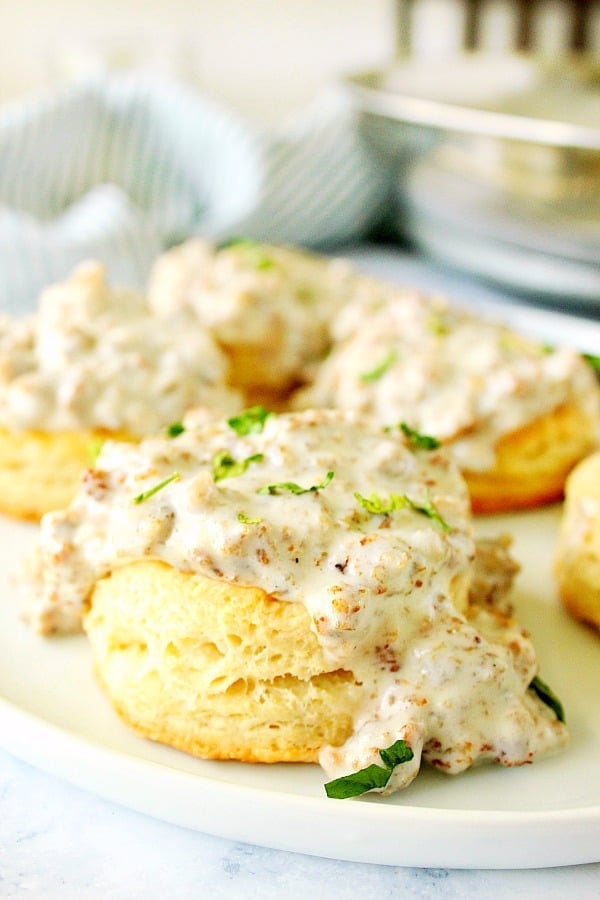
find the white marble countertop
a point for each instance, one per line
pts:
(60, 842)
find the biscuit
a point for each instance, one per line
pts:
(515, 415)
(40, 471)
(223, 671)
(533, 462)
(577, 564)
(269, 307)
(92, 362)
(291, 588)
(217, 670)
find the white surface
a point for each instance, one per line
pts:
(58, 843)
(53, 715)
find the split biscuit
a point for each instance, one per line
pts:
(217, 670)
(224, 671)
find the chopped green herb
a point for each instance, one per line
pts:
(145, 495)
(436, 324)
(358, 783)
(399, 752)
(379, 506)
(594, 361)
(96, 445)
(372, 776)
(225, 466)
(430, 510)
(232, 242)
(420, 441)
(250, 421)
(381, 368)
(239, 240)
(547, 696)
(291, 488)
(255, 250)
(249, 520)
(263, 263)
(175, 429)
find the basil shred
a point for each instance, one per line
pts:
(371, 777)
(547, 696)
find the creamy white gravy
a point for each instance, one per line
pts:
(274, 298)
(95, 357)
(448, 373)
(383, 589)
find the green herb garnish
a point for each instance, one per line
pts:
(291, 487)
(430, 510)
(436, 324)
(225, 466)
(249, 520)
(420, 441)
(379, 506)
(237, 240)
(96, 445)
(145, 495)
(175, 429)
(373, 776)
(376, 505)
(255, 249)
(250, 421)
(381, 368)
(547, 696)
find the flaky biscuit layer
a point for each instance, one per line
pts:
(40, 471)
(217, 670)
(532, 464)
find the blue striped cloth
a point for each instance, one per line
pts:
(118, 169)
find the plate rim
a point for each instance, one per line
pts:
(536, 836)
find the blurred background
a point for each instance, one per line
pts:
(268, 56)
(483, 160)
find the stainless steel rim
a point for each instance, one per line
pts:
(370, 98)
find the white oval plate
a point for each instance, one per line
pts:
(54, 715)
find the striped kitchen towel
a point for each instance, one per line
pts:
(122, 167)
